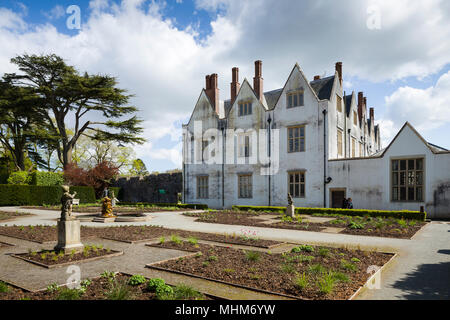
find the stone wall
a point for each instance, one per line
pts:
(162, 188)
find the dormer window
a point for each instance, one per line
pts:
(245, 108)
(295, 99)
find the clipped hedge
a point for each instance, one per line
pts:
(25, 195)
(403, 214)
(18, 178)
(179, 205)
(42, 178)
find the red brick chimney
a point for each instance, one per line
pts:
(258, 80)
(212, 90)
(316, 78)
(339, 70)
(360, 105)
(372, 115)
(235, 86)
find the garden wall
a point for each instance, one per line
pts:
(155, 188)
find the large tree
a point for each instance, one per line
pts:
(84, 97)
(21, 123)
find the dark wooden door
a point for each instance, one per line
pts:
(337, 198)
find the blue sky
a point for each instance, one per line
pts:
(161, 50)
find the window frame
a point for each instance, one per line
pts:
(300, 97)
(300, 173)
(406, 185)
(245, 108)
(248, 184)
(201, 187)
(300, 138)
(340, 146)
(339, 105)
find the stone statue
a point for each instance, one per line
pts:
(107, 211)
(290, 201)
(66, 204)
(113, 199)
(290, 209)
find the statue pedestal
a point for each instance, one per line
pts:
(290, 211)
(69, 236)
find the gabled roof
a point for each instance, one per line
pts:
(209, 102)
(228, 105)
(323, 87)
(348, 103)
(271, 99)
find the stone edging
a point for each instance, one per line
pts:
(113, 254)
(372, 277)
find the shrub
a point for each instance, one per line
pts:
(18, 178)
(154, 283)
(157, 204)
(20, 195)
(136, 280)
(42, 178)
(405, 214)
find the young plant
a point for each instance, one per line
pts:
(136, 280)
(185, 292)
(317, 269)
(68, 294)
(192, 240)
(175, 239)
(213, 258)
(324, 252)
(119, 290)
(348, 266)
(326, 283)
(4, 288)
(154, 283)
(301, 282)
(288, 268)
(162, 240)
(252, 255)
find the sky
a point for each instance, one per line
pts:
(396, 52)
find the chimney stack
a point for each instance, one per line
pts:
(372, 114)
(212, 90)
(316, 78)
(258, 80)
(360, 105)
(235, 86)
(339, 70)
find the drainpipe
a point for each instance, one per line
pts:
(324, 158)
(269, 121)
(223, 167)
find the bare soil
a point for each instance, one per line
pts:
(52, 257)
(116, 210)
(278, 272)
(4, 215)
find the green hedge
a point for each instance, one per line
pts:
(21, 195)
(43, 178)
(18, 178)
(179, 205)
(405, 214)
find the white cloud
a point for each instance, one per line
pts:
(426, 109)
(55, 13)
(165, 66)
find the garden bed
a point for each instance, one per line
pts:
(367, 226)
(5, 215)
(130, 234)
(109, 286)
(83, 208)
(307, 272)
(52, 258)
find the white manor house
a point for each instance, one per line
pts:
(308, 139)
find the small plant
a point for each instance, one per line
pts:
(326, 283)
(164, 292)
(119, 290)
(43, 256)
(229, 270)
(198, 254)
(162, 240)
(84, 285)
(412, 223)
(348, 266)
(303, 258)
(154, 283)
(303, 247)
(339, 276)
(252, 255)
(205, 263)
(185, 292)
(213, 258)
(109, 275)
(402, 223)
(356, 225)
(68, 294)
(52, 287)
(317, 268)
(3, 287)
(136, 280)
(324, 252)
(301, 282)
(175, 239)
(192, 240)
(288, 268)
(355, 260)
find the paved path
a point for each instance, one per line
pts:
(421, 270)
